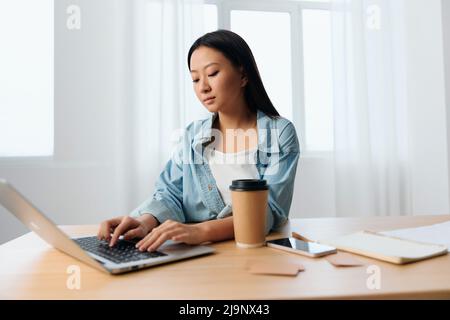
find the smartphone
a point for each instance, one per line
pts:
(309, 249)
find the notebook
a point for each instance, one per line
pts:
(436, 233)
(386, 248)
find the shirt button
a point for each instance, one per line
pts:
(209, 187)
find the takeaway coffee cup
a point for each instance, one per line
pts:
(249, 201)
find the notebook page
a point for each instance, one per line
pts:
(378, 244)
(436, 234)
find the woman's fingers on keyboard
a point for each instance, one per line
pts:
(134, 233)
(126, 224)
(107, 226)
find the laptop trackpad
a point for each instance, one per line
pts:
(174, 247)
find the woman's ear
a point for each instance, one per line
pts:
(244, 81)
(244, 78)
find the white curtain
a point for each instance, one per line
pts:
(163, 98)
(372, 168)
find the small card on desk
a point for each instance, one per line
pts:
(275, 268)
(342, 259)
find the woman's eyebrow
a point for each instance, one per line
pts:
(209, 64)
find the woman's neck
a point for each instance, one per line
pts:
(229, 124)
(242, 118)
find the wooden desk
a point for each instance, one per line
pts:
(30, 269)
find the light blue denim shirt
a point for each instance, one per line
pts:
(186, 190)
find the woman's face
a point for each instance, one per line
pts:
(217, 83)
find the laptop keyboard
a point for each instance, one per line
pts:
(123, 251)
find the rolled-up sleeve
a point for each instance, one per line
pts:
(280, 175)
(167, 200)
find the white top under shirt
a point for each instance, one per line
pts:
(226, 167)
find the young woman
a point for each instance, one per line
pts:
(192, 203)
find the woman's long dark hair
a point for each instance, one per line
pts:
(235, 49)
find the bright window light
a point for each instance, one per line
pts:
(210, 18)
(269, 36)
(318, 80)
(26, 78)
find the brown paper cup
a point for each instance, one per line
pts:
(249, 201)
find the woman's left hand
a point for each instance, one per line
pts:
(171, 230)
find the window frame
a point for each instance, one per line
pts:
(294, 8)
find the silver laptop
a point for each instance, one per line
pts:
(123, 257)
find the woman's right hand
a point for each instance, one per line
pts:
(127, 226)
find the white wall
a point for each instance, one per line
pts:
(446, 37)
(84, 183)
(314, 188)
